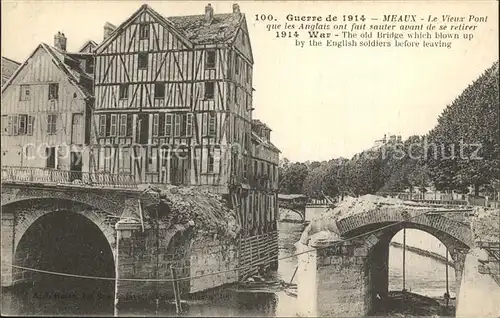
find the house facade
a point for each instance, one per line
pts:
(46, 107)
(173, 102)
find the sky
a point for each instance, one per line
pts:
(321, 102)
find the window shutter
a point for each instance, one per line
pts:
(113, 125)
(204, 123)
(189, 125)
(217, 154)
(168, 124)
(204, 155)
(177, 126)
(130, 125)
(14, 125)
(156, 118)
(102, 125)
(29, 128)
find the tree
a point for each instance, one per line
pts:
(292, 177)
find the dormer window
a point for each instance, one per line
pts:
(210, 59)
(143, 31)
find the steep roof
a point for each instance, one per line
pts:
(8, 68)
(89, 44)
(66, 62)
(222, 29)
(191, 29)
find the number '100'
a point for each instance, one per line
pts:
(263, 17)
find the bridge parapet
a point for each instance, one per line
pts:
(56, 176)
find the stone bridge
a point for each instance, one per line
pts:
(349, 274)
(32, 210)
(99, 231)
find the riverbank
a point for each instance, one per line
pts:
(422, 252)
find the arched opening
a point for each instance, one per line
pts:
(425, 264)
(410, 273)
(65, 242)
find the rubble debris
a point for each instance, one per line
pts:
(207, 212)
(485, 225)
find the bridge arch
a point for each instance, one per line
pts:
(353, 275)
(69, 232)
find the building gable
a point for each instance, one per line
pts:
(42, 66)
(88, 47)
(242, 41)
(162, 35)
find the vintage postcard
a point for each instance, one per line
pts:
(250, 158)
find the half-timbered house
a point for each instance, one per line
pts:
(46, 110)
(173, 105)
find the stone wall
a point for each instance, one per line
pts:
(211, 256)
(7, 247)
(143, 255)
(342, 282)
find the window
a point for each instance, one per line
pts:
(25, 92)
(53, 91)
(160, 90)
(249, 73)
(123, 125)
(22, 124)
(5, 124)
(156, 118)
(235, 94)
(183, 125)
(210, 59)
(123, 91)
(211, 124)
(50, 154)
(236, 65)
(168, 124)
(51, 124)
(210, 161)
(102, 125)
(77, 130)
(130, 120)
(143, 60)
(143, 31)
(12, 125)
(113, 125)
(209, 90)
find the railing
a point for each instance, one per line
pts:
(442, 198)
(48, 175)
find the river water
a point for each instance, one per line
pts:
(424, 276)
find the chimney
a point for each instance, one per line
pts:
(209, 14)
(236, 9)
(108, 29)
(60, 41)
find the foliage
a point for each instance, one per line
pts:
(446, 157)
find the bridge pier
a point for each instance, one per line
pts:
(350, 278)
(337, 281)
(8, 223)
